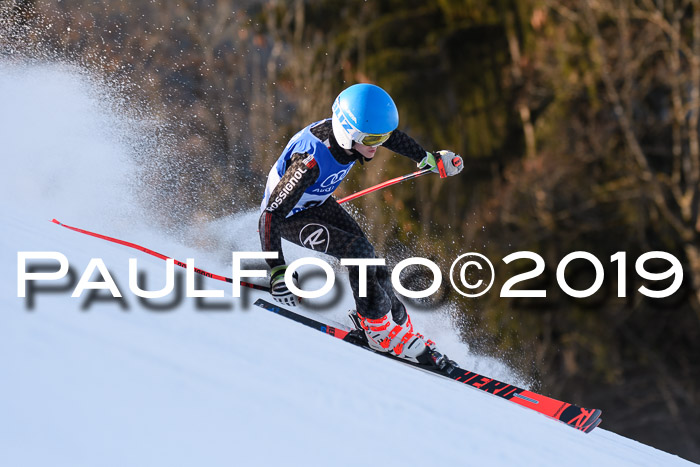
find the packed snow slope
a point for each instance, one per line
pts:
(111, 383)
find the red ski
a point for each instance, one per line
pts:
(574, 416)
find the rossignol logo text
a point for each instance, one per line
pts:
(288, 187)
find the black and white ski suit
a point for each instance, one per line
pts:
(327, 227)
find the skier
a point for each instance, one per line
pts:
(298, 207)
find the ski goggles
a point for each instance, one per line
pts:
(369, 139)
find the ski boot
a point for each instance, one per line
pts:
(400, 340)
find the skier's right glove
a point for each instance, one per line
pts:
(279, 290)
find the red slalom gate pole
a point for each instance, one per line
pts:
(379, 186)
(161, 256)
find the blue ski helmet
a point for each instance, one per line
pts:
(365, 114)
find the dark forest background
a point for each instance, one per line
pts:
(578, 121)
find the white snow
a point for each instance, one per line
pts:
(112, 387)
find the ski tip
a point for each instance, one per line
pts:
(593, 421)
(55, 221)
(593, 425)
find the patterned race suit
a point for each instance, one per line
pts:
(298, 207)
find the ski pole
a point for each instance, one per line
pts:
(385, 184)
(161, 256)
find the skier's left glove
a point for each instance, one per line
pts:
(279, 290)
(446, 163)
